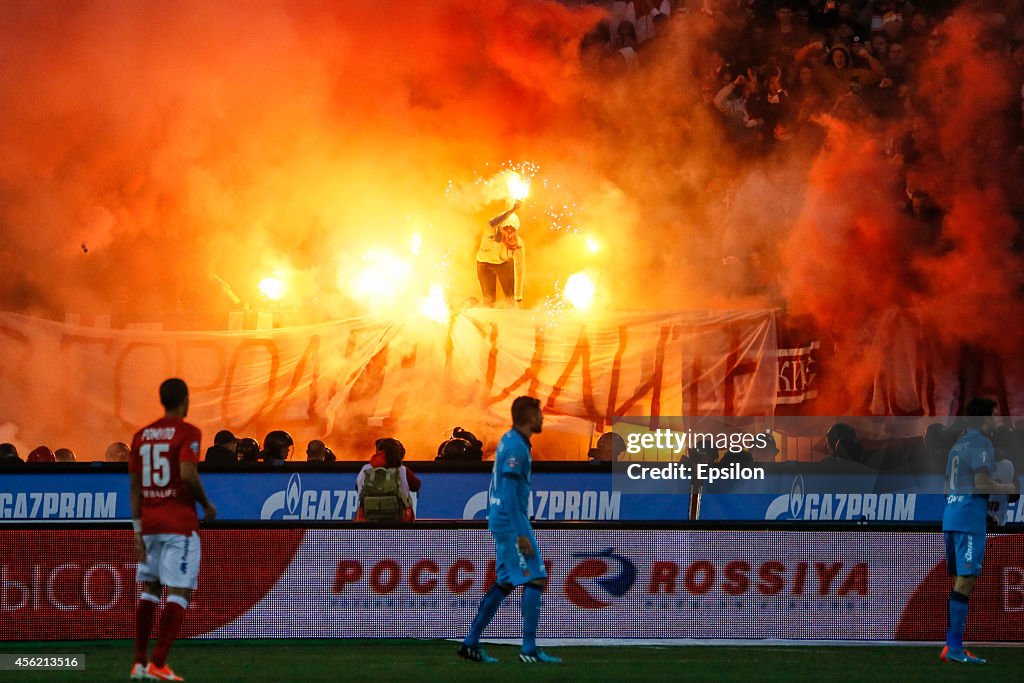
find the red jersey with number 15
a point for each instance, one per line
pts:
(157, 453)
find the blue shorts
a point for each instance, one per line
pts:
(964, 553)
(510, 567)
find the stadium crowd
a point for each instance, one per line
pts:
(774, 75)
(841, 443)
(769, 71)
(278, 447)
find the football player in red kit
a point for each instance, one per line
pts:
(165, 488)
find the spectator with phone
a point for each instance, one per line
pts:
(731, 101)
(836, 75)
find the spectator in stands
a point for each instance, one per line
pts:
(843, 443)
(895, 64)
(117, 452)
(627, 36)
(822, 14)
(385, 485)
(927, 224)
(777, 102)
(752, 50)
(894, 30)
(707, 97)
(224, 449)
(248, 450)
(847, 36)
(42, 454)
(593, 49)
(835, 77)
(732, 100)
(785, 37)
(643, 17)
(9, 455)
(920, 28)
(277, 446)
(880, 47)
(64, 455)
(501, 259)
(317, 451)
(809, 98)
(916, 145)
(851, 107)
(610, 447)
(938, 440)
(848, 13)
(662, 26)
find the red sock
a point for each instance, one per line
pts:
(170, 620)
(143, 626)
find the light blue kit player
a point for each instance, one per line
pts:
(969, 467)
(518, 561)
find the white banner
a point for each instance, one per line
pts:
(81, 387)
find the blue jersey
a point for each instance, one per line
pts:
(509, 494)
(966, 511)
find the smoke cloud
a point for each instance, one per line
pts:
(158, 156)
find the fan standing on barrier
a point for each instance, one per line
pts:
(165, 488)
(969, 468)
(517, 556)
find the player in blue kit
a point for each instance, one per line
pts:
(518, 561)
(969, 467)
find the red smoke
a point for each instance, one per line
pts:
(155, 151)
(853, 256)
(175, 141)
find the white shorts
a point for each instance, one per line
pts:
(171, 559)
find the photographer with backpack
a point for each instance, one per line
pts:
(385, 485)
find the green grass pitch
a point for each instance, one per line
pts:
(383, 661)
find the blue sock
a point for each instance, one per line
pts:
(957, 621)
(488, 608)
(531, 617)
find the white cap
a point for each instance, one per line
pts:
(511, 221)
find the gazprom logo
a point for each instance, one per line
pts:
(286, 500)
(294, 493)
(791, 504)
(796, 497)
